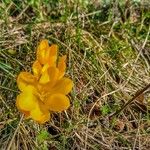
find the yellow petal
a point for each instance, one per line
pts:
(36, 68)
(53, 50)
(40, 114)
(53, 73)
(62, 66)
(50, 75)
(27, 101)
(44, 78)
(43, 44)
(43, 52)
(52, 62)
(26, 113)
(63, 86)
(53, 55)
(57, 102)
(24, 79)
(45, 67)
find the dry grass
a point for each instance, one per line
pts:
(108, 48)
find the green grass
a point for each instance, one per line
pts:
(108, 48)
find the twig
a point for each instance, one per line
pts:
(137, 94)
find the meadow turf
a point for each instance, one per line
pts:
(107, 43)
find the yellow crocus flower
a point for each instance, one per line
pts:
(44, 91)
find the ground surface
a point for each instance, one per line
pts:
(108, 49)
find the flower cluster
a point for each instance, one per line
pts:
(44, 91)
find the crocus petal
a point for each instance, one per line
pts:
(27, 101)
(53, 50)
(50, 75)
(45, 68)
(40, 114)
(62, 66)
(26, 113)
(43, 44)
(53, 73)
(63, 86)
(43, 52)
(53, 55)
(57, 102)
(36, 68)
(44, 78)
(24, 79)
